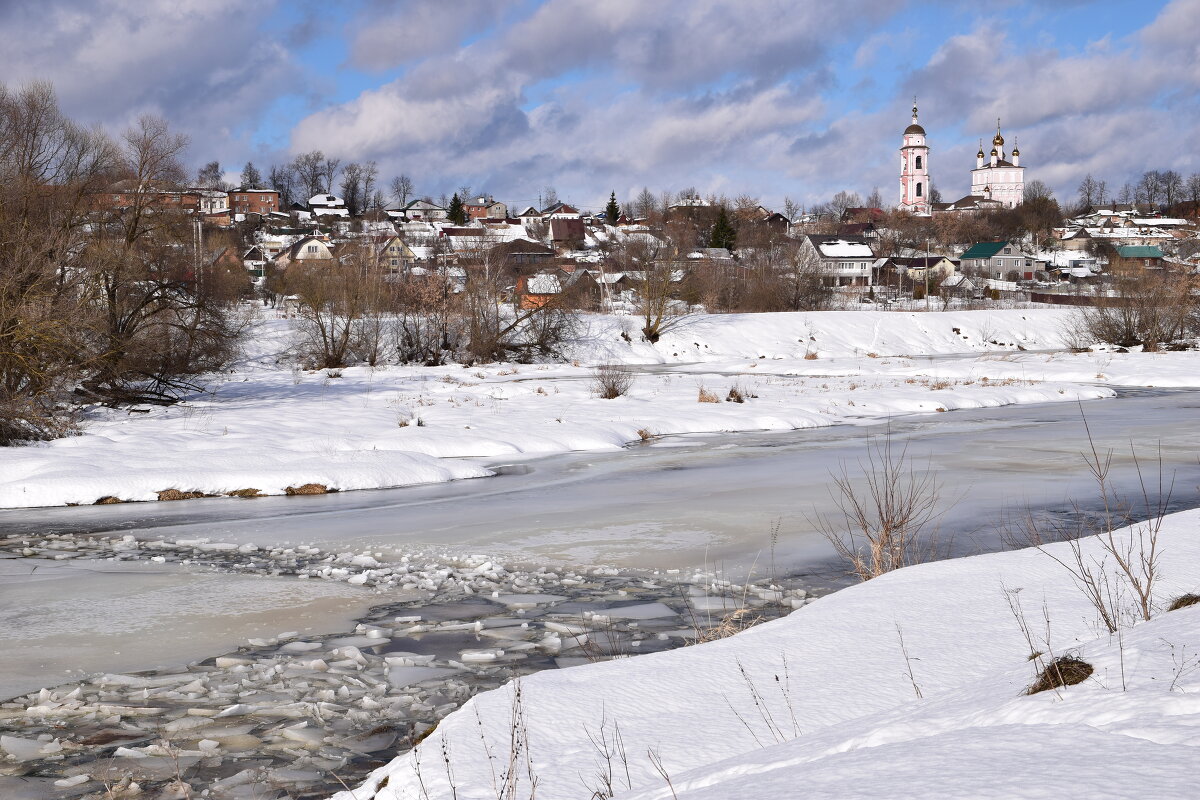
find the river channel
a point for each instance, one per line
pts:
(740, 507)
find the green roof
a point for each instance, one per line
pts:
(984, 250)
(1139, 251)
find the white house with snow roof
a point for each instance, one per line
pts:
(328, 205)
(844, 260)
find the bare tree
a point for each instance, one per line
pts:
(371, 198)
(309, 171)
(1037, 190)
(790, 209)
(209, 176)
(645, 204)
(329, 171)
(251, 177)
(157, 318)
(52, 170)
(842, 201)
(352, 188)
(339, 301)
(1150, 187)
(1193, 189)
(283, 180)
(1172, 187)
(402, 189)
(1088, 191)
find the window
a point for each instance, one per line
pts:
(918, 189)
(918, 162)
(312, 248)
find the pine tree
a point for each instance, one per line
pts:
(612, 210)
(456, 213)
(723, 234)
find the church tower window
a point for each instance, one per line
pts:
(919, 190)
(918, 162)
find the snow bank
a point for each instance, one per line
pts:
(909, 685)
(709, 337)
(268, 426)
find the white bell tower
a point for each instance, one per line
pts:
(914, 168)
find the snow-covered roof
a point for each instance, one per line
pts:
(325, 200)
(543, 284)
(843, 248)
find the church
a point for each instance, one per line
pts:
(997, 178)
(996, 181)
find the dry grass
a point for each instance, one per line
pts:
(308, 488)
(1183, 602)
(175, 494)
(645, 434)
(1062, 671)
(109, 500)
(706, 396)
(249, 492)
(611, 381)
(885, 511)
(810, 356)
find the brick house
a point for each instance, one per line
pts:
(253, 201)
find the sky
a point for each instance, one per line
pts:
(767, 98)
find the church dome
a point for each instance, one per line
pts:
(914, 128)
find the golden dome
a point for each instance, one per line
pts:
(998, 140)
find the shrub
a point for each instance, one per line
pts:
(611, 381)
(1062, 671)
(707, 397)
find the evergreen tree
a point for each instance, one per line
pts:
(456, 213)
(723, 234)
(612, 210)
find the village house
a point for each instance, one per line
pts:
(423, 210)
(307, 248)
(485, 208)
(246, 200)
(1134, 258)
(327, 205)
(394, 255)
(998, 260)
(844, 261)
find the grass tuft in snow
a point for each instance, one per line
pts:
(1184, 601)
(1062, 671)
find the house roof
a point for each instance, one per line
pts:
(543, 284)
(1139, 251)
(984, 250)
(841, 246)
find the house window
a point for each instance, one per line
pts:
(918, 190)
(312, 248)
(918, 162)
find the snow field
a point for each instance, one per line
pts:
(268, 426)
(909, 685)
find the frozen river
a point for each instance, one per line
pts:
(108, 599)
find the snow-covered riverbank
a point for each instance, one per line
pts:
(909, 685)
(269, 427)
